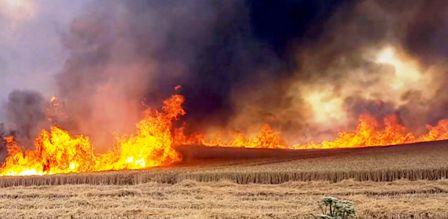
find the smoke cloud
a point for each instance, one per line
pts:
(127, 52)
(30, 49)
(375, 57)
(307, 68)
(26, 115)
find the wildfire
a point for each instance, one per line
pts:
(369, 132)
(152, 145)
(55, 152)
(58, 151)
(266, 137)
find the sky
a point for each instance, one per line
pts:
(31, 52)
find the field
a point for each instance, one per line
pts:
(399, 181)
(224, 199)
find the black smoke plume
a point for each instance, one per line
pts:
(125, 52)
(244, 63)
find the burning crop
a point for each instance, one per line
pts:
(326, 83)
(58, 151)
(369, 132)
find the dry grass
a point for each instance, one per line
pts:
(414, 162)
(224, 199)
(285, 186)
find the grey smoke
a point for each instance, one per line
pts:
(337, 58)
(26, 115)
(125, 53)
(31, 52)
(119, 57)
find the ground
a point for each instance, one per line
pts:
(224, 199)
(399, 182)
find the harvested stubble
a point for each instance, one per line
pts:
(224, 199)
(426, 161)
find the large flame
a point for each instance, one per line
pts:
(58, 151)
(370, 132)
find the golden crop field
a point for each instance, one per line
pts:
(224, 199)
(399, 182)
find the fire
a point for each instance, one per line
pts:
(55, 151)
(370, 132)
(53, 99)
(266, 137)
(152, 144)
(59, 151)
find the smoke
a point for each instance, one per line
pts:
(126, 53)
(30, 49)
(26, 115)
(3, 133)
(307, 68)
(376, 57)
(426, 32)
(129, 55)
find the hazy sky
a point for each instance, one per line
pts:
(30, 47)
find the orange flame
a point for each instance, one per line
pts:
(58, 151)
(152, 144)
(55, 152)
(266, 137)
(370, 133)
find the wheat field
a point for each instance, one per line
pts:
(225, 199)
(424, 161)
(387, 182)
